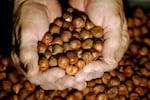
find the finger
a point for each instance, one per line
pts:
(112, 43)
(48, 86)
(65, 82)
(91, 71)
(53, 74)
(16, 62)
(81, 76)
(49, 76)
(29, 58)
(124, 39)
(94, 75)
(80, 85)
(34, 22)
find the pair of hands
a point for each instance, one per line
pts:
(31, 21)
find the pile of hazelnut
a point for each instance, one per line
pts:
(129, 81)
(72, 42)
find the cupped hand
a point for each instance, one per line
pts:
(109, 14)
(31, 21)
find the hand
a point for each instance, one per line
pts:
(108, 14)
(31, 21)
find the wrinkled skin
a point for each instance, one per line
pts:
(31, 21)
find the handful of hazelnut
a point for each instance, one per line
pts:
(71, 42)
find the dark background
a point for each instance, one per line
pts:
(5, 26)
(6, 7)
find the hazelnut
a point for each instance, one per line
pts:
(97, 32)
(23, 94)
(140, 91)
(50, 48)
(96, 55)
(98, 45)
(99, 88)
(102, 96)
(85, 91)
(137, 22)
(70, 10)
(106, 77)
(41, 47)
(6, 85)
(5, 61)
(57, 49)
(14, 97)
(43, 64)
(67, 17)
(128, 71)
(29, 86)
(78, 95)
(12, 76)
(134, 96)
(136, 80)
(17, 87)
(58, 22)
(71, 70)
(80, 64)
(48, 54)
(65, 36)
(67, 25)
(63, 93)
(79, 53)
(52, 61)
(89, 25)
(57, 40)
(90, 96)
(130, 22)
(87, 44)
(85, 34)
(66, 47)
(130, 85)
(47, 39)
(78, 22)
(39, 94)
(63, 62)
(76, 35)
(145, 72)
(70, 97)
(123, 90)
(54, 29)
(87, 57)
(114, 82)
(112, 92)
(73, 59)
(2, 75)
(75, 44)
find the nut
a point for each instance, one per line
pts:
(65, 36)
(75, 44)
(47, 39)
(43, 64)
(63, 62)
(97, 32)
(71, 70)
(87, 44)
(73, 59)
